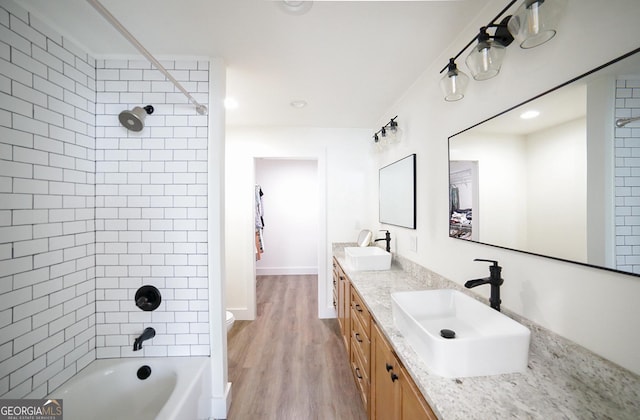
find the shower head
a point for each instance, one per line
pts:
(134, 120)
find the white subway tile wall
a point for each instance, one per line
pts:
(627, 177)
(47, 207)
(151, 209)
(89, 211)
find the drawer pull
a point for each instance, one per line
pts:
(394, 377)
(358, 308)
(358, 373)
(358, 338)
(389, 367)
(334, 282)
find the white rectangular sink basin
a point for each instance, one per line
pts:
(486, 341)
(367, 258)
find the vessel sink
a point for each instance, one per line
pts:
(486, 342)
(367, 258)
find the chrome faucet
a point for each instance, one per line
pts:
(147, 334)
(494, 279)
(387, 238)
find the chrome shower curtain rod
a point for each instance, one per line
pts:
(621, 122)
(201, 109)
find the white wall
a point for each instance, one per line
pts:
(557, 191)
(290, 204)
(344, 199)
(597, 309)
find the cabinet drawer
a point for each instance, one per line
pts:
(362, 379)
(361, 312)
(360, 341)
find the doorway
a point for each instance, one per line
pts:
(288, 191)
(294, 236)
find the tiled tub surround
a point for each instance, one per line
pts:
(151, 209)
(627, 177)
(47, 206)
(563, 380)
(89, 211)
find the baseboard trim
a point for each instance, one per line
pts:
(286, 271)
(220, 405)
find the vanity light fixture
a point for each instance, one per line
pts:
(454, 83)
(485, 59)
(534, 23)
(389, 133)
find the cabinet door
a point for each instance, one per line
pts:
(414, 407)
(385, 388)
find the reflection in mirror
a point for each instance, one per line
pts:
(463, 194)
(555, 176)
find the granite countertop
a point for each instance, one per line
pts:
(563, 379)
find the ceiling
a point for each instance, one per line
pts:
(349, 60)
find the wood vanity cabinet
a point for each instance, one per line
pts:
(394, 395)
(387, 390)
(361, 346)
(341, 282)
(335, 285)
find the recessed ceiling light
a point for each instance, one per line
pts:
(295, 7)
(230, 103)
(527, 115)
(298, 104)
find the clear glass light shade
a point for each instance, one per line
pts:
(453, 85)
(394, 134)
(485, 59)
(536, 21)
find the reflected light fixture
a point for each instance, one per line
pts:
(454, 83)
(295, 7)
(536, 21)
(528, 115)
(230, 103)
(299, 104)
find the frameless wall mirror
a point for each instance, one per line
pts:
(559, 175)
(397, 193)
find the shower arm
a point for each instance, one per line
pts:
(201, 109)
(621, 122)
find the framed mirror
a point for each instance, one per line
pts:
(558, 175)
(397, 193)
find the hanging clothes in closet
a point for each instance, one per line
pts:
(259, 212)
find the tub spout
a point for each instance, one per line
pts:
(146, 335)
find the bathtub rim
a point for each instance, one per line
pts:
(195, 371)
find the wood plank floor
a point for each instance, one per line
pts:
(288, 364)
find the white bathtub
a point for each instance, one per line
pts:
(177, 388)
